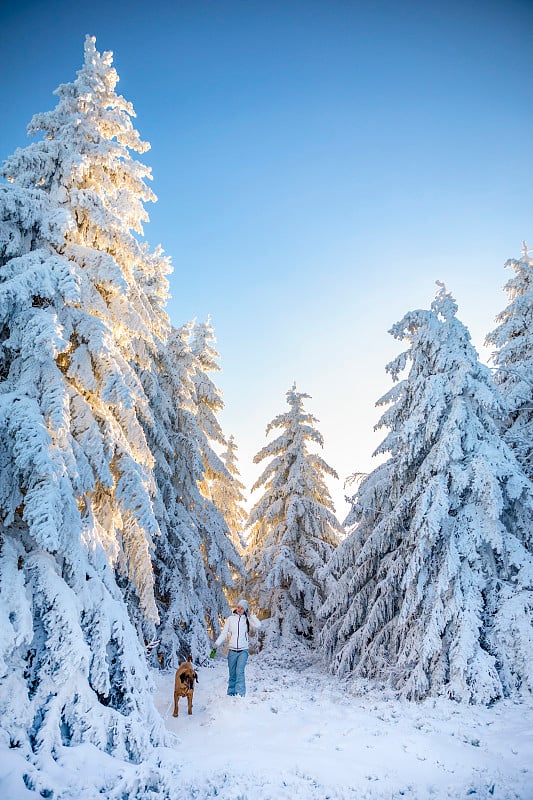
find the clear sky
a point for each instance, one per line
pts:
(318, 165)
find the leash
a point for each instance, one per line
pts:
(170, 704)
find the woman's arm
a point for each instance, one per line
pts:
(223, 633)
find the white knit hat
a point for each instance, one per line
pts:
(243, 603)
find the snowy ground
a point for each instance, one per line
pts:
(300, 735)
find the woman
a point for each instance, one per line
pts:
(237, 627)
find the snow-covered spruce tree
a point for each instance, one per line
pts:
(181, 584)
(513, 358)
(208, 398)
(76, 477)
(195, 558)
(434, 583)
(293, 528)
(218, 545)
(227, 495)
(177, 561)
(150, 275)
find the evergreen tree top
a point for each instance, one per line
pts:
(298, 427)
(445, 377)
(85, 154)
(513, 359)
(203, 341)
(293, 469)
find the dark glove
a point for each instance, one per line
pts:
(213, 652)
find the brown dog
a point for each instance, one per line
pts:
(184, 684)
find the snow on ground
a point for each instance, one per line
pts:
(299, 733)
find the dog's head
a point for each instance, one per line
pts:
(187, 674)
(188, 680)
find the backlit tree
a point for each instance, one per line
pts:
(293, 528)
(76, 482)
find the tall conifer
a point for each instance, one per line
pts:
(226, 492)
(293, 528)
(513, 358)
(434, 584)
(76, 479)
(223, 563)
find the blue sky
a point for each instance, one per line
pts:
(318, 166)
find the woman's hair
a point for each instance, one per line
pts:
(247, 620)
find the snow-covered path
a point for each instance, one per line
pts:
(300, 734)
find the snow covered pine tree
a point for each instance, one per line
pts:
(434, 584)
(76, 472)
(513, 358)
(227, 495)
(293, 527)
(188, 589)
(223, 563)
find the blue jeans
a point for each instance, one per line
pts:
(236, 664)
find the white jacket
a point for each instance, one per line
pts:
(236, 628)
